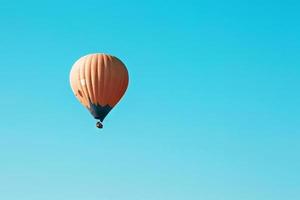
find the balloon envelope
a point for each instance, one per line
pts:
(99, 81)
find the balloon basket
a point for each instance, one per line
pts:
(99, 125)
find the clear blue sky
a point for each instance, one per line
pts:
(212, 110)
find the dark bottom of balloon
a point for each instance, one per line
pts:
(99, 112)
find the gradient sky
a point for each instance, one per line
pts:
(212, 111)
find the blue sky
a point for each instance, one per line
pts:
(212, 109)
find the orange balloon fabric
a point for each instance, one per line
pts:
(99, 81)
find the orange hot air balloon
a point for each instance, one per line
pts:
(99, 81)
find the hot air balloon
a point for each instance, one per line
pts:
(99, 81)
